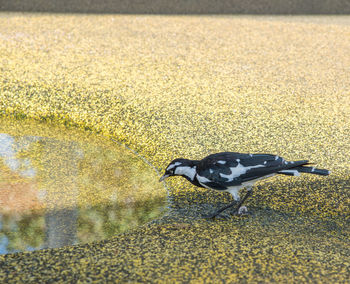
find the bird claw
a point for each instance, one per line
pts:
(243, 210)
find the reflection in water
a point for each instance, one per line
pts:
(68, 187)
(61, 227)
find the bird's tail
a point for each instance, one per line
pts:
(295, 171)
(313, 170)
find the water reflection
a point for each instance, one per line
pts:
(68, 187)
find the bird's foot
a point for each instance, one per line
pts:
(241, 211)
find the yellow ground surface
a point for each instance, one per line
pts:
(171, 86)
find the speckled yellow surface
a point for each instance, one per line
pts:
(171, 86)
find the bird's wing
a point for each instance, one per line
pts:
(222, 170)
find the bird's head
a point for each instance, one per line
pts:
(180, 167)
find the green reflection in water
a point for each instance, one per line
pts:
(62, 186)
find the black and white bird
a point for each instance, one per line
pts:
(230, 172)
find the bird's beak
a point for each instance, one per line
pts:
(163, 177)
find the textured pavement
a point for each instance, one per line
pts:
(171, 86)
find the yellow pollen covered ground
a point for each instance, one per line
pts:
(189, 86)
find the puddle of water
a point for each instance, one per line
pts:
(60, 187)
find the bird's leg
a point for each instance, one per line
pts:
(249, 192)
(216, 213)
